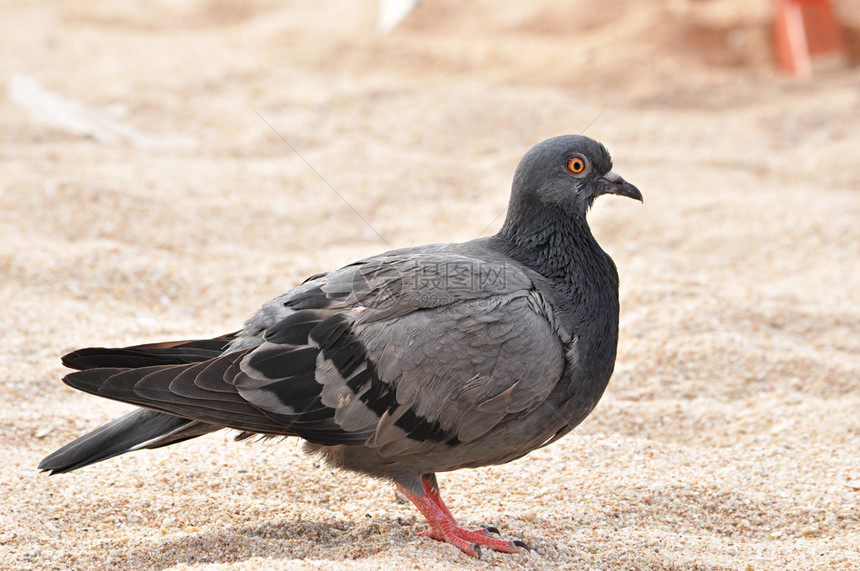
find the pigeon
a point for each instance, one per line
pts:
(402, 365)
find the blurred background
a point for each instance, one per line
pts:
(167, 166)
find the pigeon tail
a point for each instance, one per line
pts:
(142, 428)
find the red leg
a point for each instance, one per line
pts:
(443, 526)
(431, 486)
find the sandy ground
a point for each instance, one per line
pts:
(729, 435)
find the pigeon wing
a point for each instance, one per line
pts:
(402, 351)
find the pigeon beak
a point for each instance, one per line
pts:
(614, 184)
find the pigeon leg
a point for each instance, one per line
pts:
(431, 486)
(443, 526)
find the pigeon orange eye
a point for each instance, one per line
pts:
(576, 165)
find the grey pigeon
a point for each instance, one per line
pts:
(401, 365)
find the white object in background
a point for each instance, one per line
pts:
(392, 12)
(49, 108)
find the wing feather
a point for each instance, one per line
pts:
(407, 356)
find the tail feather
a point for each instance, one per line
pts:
(141, 428)
(170, 353)
(200, 391)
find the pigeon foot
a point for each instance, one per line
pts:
(443, 526)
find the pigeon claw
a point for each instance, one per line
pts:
(522, 544)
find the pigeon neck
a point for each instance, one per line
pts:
(560, 247)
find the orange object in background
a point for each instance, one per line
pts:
(805, 33)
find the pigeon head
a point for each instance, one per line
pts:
(554, 185)
(566, 173)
